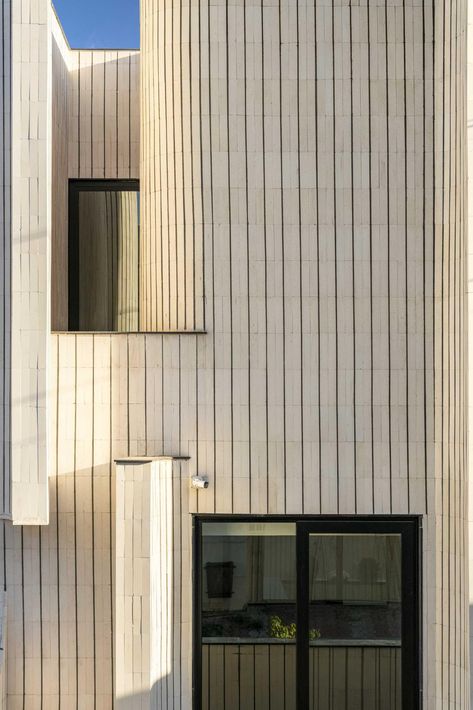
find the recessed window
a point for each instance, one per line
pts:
(104, 255)
(314, 612)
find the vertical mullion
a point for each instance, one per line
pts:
(409, 677)
(302, 614)
(197, 651)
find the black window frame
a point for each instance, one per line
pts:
(76, 186)
(410, 529)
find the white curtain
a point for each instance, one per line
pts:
(359, 568)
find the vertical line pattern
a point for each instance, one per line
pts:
(316, 130)
(190, 317)
(23, 629)
(265, 242)
(388, 218)
(230, 250)
(78, 117)
(173, 301)
(91, 113)
(370, 211)
(448, 357)
(56, 482)
(76, 615)
(335, 247)
(442, 385)
(424, 257)
(353, 270)
(110, 530)
(284, 207)
(406, 260)
(116, 121)
(5, 254)
(248, 283)
(41, 644)
(211, 188)
(283, 264)
(173, 234)
(202, 199)
(301, 290)
(92, 502)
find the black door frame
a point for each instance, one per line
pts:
(409, 527)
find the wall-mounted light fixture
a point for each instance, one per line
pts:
(199, 482)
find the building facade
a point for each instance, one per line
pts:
(277, 310)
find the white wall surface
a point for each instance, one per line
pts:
(327, 183)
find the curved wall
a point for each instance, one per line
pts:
(172, 279)
(314, 154)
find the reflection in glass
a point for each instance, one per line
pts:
(108, 223)
(249, 591)
(355, 602)
(248, 615)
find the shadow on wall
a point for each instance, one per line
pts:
(58, 580)
(95, 118)
(152, 699)
(61, 596)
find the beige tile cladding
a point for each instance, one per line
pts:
(60, 100)
(96, 127)
(314, 154)
(469, 289)
(29, 262)
(332, 375)
(153, 543)
(5, 257)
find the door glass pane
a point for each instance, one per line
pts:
(248, 583)
(354, 622)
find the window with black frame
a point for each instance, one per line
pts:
(302, 614)
(104, 255)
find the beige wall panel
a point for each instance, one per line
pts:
(98, 114)
(69, 639)
(151, 532)
(95, 135)
(331, 378)
(325, 355)
(73, 113)
(105, 114)
(364, 675)
(172, 280)
(61, 99)
(469, 138)
(30, 257)
(5, 259)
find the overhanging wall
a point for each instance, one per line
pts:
(30, 256)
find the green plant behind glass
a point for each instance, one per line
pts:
(280, 630)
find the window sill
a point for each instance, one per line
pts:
(128, 332)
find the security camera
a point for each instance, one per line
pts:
(200, 482)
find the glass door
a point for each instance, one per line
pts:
(299, 614)
(357, 615)
(247, 615)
